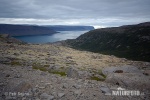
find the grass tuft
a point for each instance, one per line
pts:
(58, 72)
(13, 63)
(101, 73)
(39, 66)
(97, 78)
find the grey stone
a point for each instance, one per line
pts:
(18, 76)
(7, 75)
(43, 73)
(131, 80)
(54, 67)
(51, 67)
(41, 87)
(105, 89)
(146, 72)
(45, 96)
(77, 92)
(29, 68)
(2, 84)
(84, 74)
(10, 98)
(61, 94)
(77, 86)
(72, 72)
(16, 54)
(124, 69)
(35, 90)
(22, 87)
(65, 85)
(5, 60)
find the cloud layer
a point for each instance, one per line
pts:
(75, 12)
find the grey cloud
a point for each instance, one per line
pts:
(77, 9)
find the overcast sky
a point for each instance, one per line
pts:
(101, 13)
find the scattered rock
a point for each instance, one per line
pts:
(5, 61)
(29, 68)
(16, 54)
(65, 86)
(84, 74)
(18, 76)
(41, 87)
(51, 67)
(68, 57)
(2, 84)
(54, 67)
(72, 72)
(132, 80)
(121, 69)
(46, 86)
(77, 86)
(7, 75)
(105, 89)
(43, 73)
(37, 99)
(61, 94)
(77, 92)
(35, 91)
(147, 72)
(45, 96)
(22, 87)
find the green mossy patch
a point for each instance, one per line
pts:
(97, 78)
(15, 63)
(58, 72)
(101, 73)
(40, 68)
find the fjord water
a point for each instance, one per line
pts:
(62, 35)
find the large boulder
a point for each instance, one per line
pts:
(76, 73)
(45, 96)
(121, 69)
(72, 72)
(129, 80)
(146, 72)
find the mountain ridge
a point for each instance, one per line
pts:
(23, 30)
(26, 30)
(129, 41)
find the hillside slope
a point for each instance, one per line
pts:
(130, 41)
(21, 30)
(51, 72)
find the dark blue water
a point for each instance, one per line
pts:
(63, 35)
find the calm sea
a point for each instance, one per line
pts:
(63, 35)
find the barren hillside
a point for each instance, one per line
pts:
(49, 71)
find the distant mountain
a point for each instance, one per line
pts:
(130, 41)
(69, 28)
(22, 30)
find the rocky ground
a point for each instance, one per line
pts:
(52, 72)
